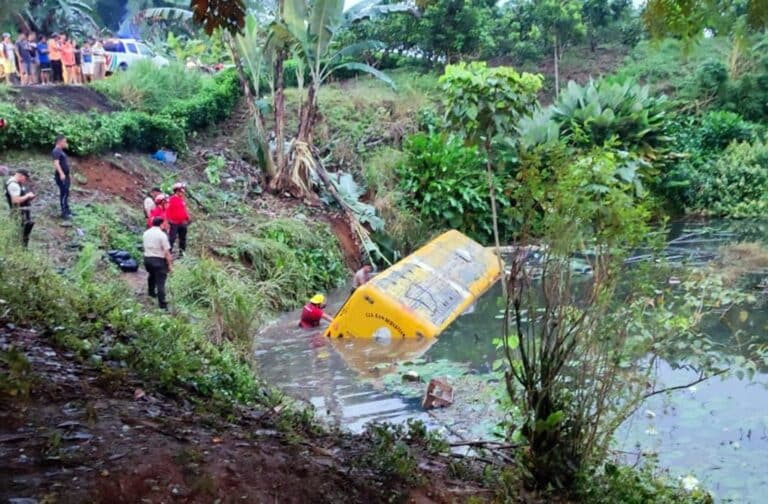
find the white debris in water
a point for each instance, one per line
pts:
(650, 414)
(651, 431)
(689, 483)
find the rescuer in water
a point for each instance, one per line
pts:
(313, 312)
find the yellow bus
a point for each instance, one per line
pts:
(422, 294)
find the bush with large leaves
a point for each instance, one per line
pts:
(599, 111)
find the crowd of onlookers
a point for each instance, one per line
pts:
(36, 59)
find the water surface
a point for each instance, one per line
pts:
(717, 430)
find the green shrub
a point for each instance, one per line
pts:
(289, 260)
(597, 112)
(712, 77)
(446, 183)
(734, 184)
(93, 133)
(748, 95)
(214, 103)
(614, 483)
(379, 169)
(720, 128)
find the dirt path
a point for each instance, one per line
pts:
(85, 435)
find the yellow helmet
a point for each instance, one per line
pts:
(317, 299)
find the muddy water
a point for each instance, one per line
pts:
(717, 430)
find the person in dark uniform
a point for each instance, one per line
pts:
(19, 200)
(62, 175)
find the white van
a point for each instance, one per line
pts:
(122, 52)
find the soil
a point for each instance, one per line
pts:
(347, 241)
(578, 64)
(87, 435)
(108, 178)
(63, 98)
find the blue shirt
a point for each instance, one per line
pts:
(42, 52)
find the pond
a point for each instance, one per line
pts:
(716, 430)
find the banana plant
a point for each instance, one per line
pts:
(309, 28)
(70, 16)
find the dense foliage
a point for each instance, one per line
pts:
(93, 133)
(451, 30)
(446, 184)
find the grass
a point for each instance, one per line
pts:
(669, 66)
(87, 308)
(146, 87)
(379, 170)
(364, 113)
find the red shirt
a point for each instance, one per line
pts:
(176, 213)
(158, 211)
(311, 316)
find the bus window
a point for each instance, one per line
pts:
(132, 48)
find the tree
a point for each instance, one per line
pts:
(451, 29)
(309, 31)
(48, 16)
(11, 10)
(688, 19)
(561, 22)
(484, 105)
(228, 15)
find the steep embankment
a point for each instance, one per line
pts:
(79, 433)
(104, 400)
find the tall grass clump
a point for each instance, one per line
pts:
(288, 260)
(146, 87)
(232, 307)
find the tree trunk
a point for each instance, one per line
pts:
(279, 111)
(308, 115)
(494, 214)
(250, 100)
(557, 69)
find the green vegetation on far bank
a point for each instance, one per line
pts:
(165, 120)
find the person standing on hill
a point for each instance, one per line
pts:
(54, 54)
(178, 217)
(87, 56)
(24, 57)
(157, 261)
(99, 60)
(19, 199)
(68, 60)
(34, 77)
(160, 210)
(62, 175)
(149, 201)
(45, 61)
(9, 51)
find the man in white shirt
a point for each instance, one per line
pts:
(157, 260)
(149, 201)
(362, 276)
(19, 200)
